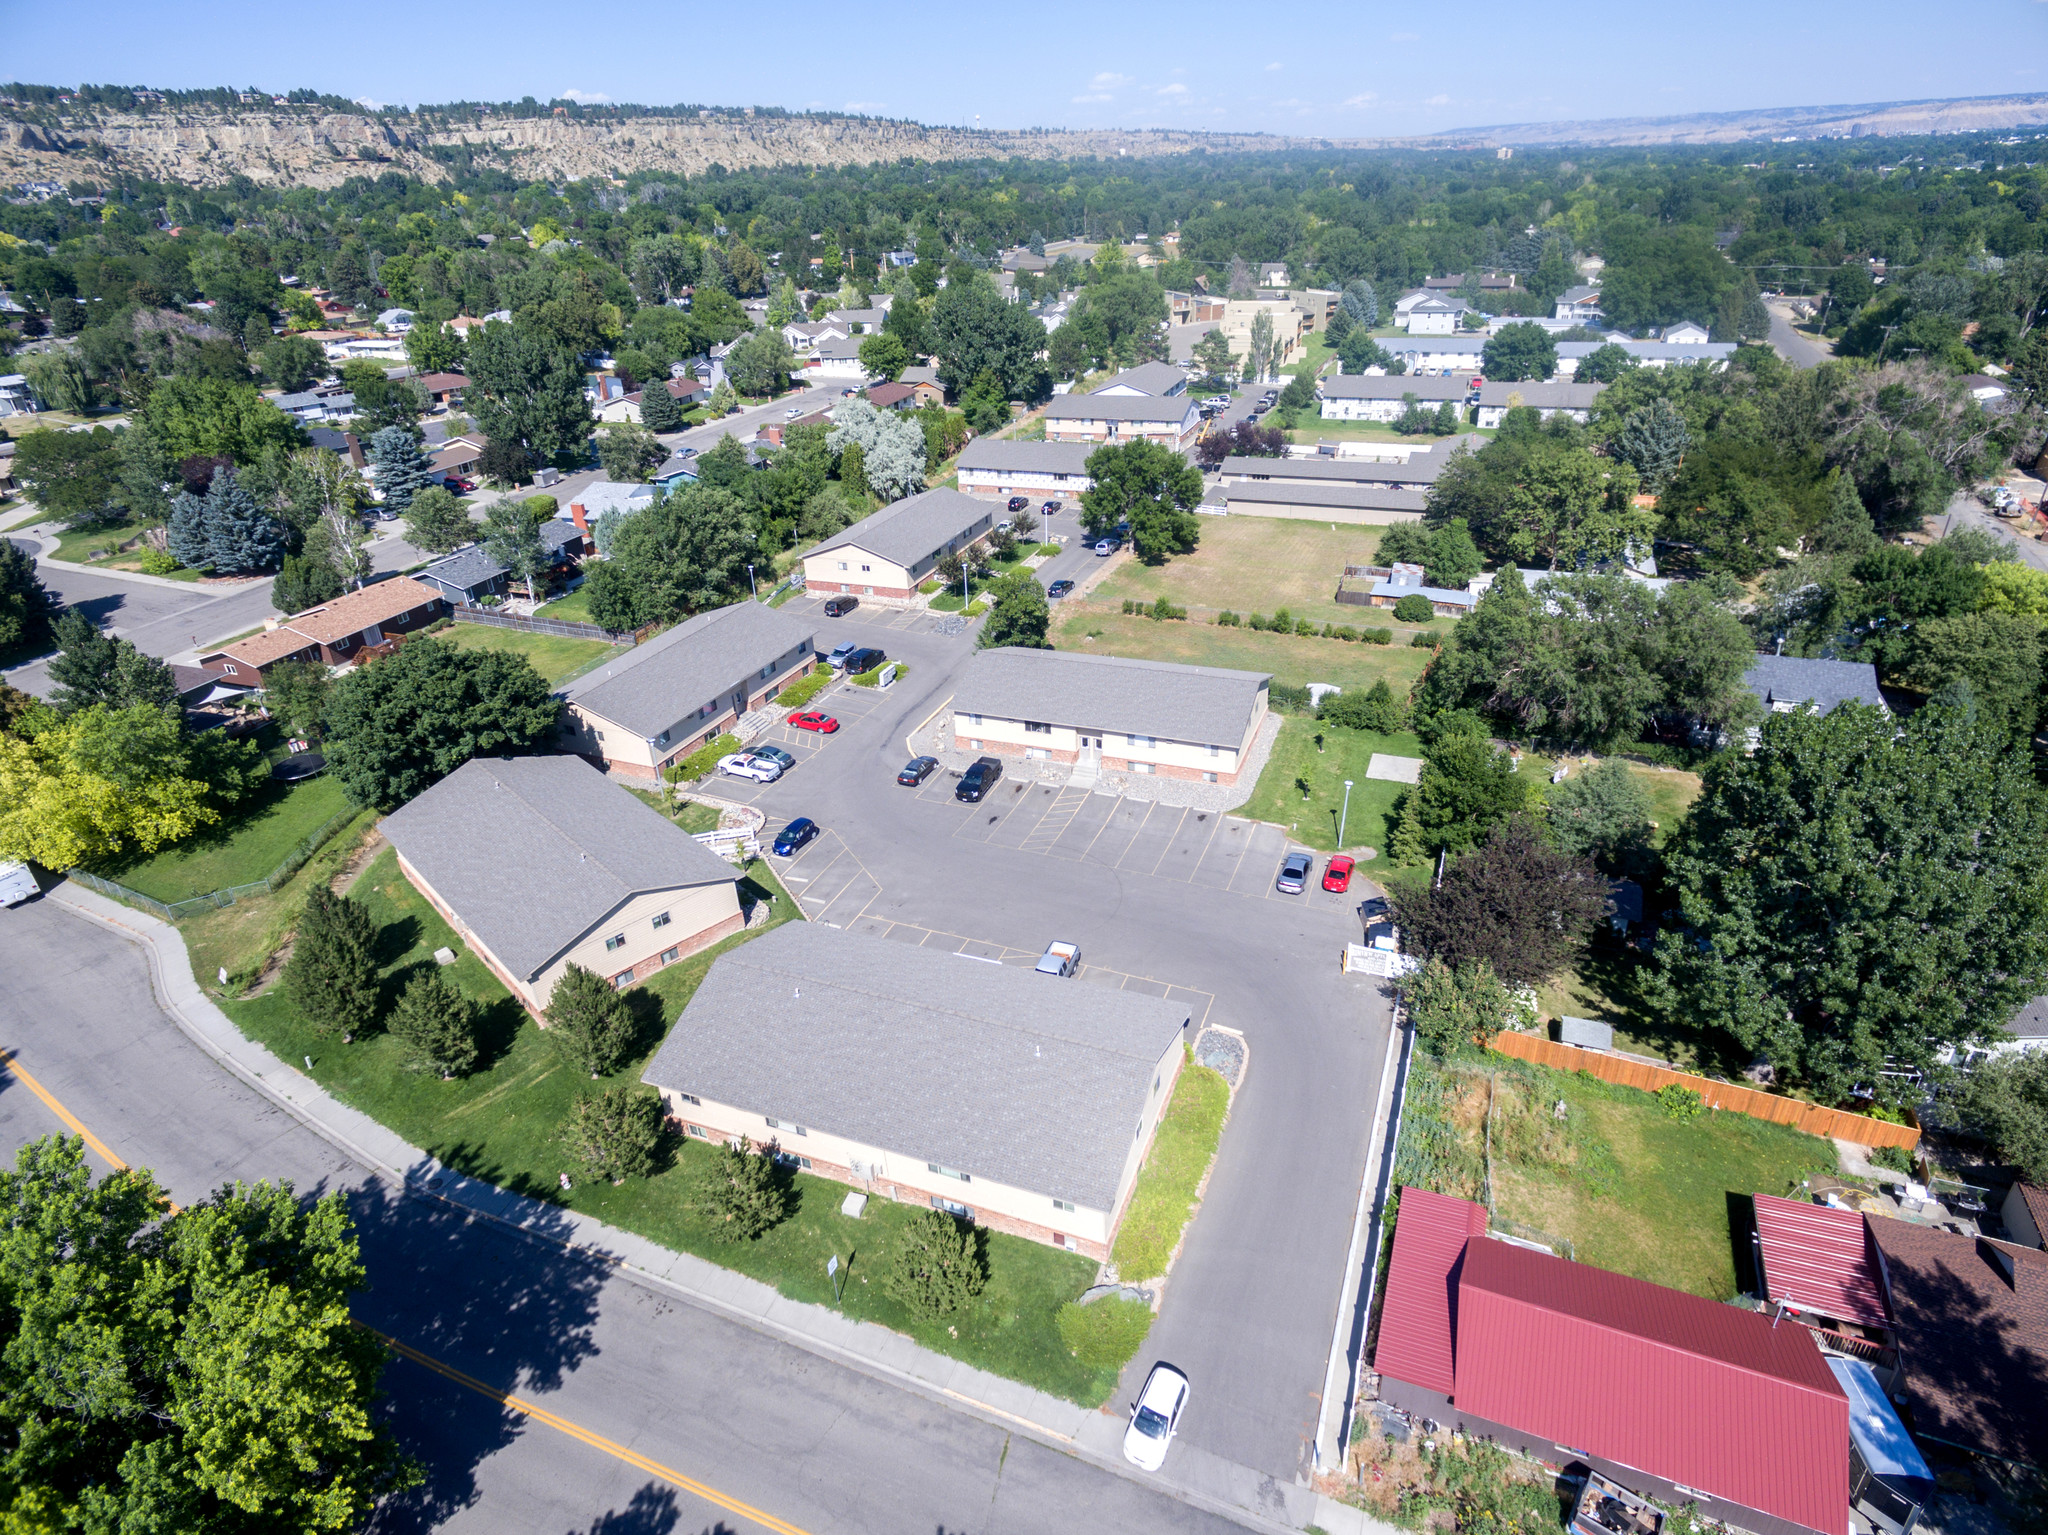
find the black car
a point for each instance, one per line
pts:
(794, 837)
(864, 660)
(839, 607)
(1051, 508)
(917, 770)
(1294, 873)
(1059, 589)
(1018, 503)
(978, 780)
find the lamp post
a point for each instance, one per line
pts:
(750, 584)
(1344, 814)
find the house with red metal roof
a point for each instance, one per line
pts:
(1668, 1394)
(1819, 1261)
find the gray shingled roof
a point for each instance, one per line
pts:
(1001, 1073)
(1153, 378)
(910, 529)
(1543, 396)
(533, 852)
(1203, 705)
(1357, 498)
(1392, 386)
(1421, 469)
(1798, 680)
(2031, 1021)
(1121, 407)
(464, 570)
(1003, 456)
(1643, 351)
(651, 687)
(1401, 346)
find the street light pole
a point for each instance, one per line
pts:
(1344, 814)
(750, 584)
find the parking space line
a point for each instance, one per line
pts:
(1058, 817)
(1154, 837)
(1084, 826)
(1117, 834)
(1025, 818)
(1190, 840)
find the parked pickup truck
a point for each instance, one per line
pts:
(1060, 959)
(978, 780)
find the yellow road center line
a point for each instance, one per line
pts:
(555, 1421)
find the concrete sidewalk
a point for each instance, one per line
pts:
(1203, 1480)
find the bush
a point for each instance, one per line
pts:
(1377, 636)
(705, 757)
(1282, 622)
(1285, 696)
(1421, 639)
(1227, 619)
(1305, 629)
(804, 689)
(1345, 632)
(589, 1022)
(936, 1266)
(437, 1026)
(1679, 1102)
(1128, 605)
(1107, 1334)
(157, 562)
(744, 1192)
(1893, 1158)
(1414, 609)
(872, 677)
(616, 1133)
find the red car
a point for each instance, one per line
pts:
(811, 719)
(1338, 876)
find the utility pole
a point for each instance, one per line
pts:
(1344, 815)
(750, 584)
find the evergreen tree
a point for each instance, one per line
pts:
(744, 1193)
(240, 535)
(1848, 528)
(302, 582)
(659, 411)
(936, 1266)
(1361, 303)
(145, 470)
(1653, 438)
(437, 1026)
(589, 1022)
(853, 472)
(92, 668)
(615, 1133)
(185, 535)
(402, 469)
(26, 606)
(331, 978)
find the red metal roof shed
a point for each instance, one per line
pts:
(1418, 1313)
(1711, 1398)
(1818, 1259)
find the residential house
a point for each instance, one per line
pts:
(8, 448)
(1384, 397)
(1489, 282)
(1146, 717)
(2025, 1214)
(991, 466)
(311, 407)
(1648, 354)
(802, 335)
(686, 392)
(444, 389)
(1546, 399)
(1397, 313)
(201, 688)
(1790, 684)
(1291, 325)
(1437, 316)
(1437, 354)
(1173, 421)
(833, 362)
(859, 322)
(1403, 466)
(335, 633)
(459, 456)
(660, 701)
(469, 575)
(1685, 333)
(1561, 1360)
(911, 1076)
(1272, 274)
(539, 864)
(1157, 380)
(887, 554)
(396, 321)
(926, 382)
(892, 396)
(1405, 580)
(675, 471)
(601, 496)
(1579, 304)
(1192, 308)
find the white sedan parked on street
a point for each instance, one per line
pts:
(1155, 1416)
(742, 765)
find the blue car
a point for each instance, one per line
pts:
(796, 836)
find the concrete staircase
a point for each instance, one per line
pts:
(755, 724)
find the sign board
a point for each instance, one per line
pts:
(887, 678)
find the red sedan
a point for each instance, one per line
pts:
(811, 719)
(1338, 876)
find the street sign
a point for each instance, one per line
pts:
(832, 1273)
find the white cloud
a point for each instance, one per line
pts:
(1098, 96)
(1273, 66)
(1438, 101)
(374, 106)
(866, 106)
(1175, 89)
(1405, 37)
(1365, 100)
(1106, 81)
(583, 98)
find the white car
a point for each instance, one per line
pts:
(743, 765)
(17, 884)
(1154, 1417)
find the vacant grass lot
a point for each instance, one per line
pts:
(1289, 658)
(1631, 1189)
(500, 1124)
(1164, 1195)
(1343, 754)
(1313, 429)
(552, 655)
(1255, 565)
(246, 845)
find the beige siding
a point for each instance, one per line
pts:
(690, 911)
(591, 734)
(1063, 740)
(856, 568)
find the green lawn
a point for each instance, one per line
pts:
(1316, 429)
(1633, 1190)
(500, 1124)
(574, 608)
(1164, 1195)
(245, 846)
(1343, 754)
(76, 545)
(1255, 565)
(1288, 657)
(552, 655)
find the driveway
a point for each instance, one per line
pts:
(1185, 900)
(1966, 511)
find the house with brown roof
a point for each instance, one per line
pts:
(2025, 1213)
(892, 396)
(444, 388)
(336, 633)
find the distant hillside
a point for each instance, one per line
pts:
(313, 145)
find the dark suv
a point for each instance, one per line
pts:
(1018, 503)
(839, 607)
(863, 660)
(978, 780)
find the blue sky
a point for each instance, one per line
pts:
(1340, 69)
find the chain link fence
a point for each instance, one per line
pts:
(214, 900)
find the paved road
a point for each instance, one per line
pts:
(1966, 511)
(826, 1447)
(1186, 901)
(1793, 347)
(747, 422)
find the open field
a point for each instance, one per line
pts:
(1630, 1188)
(1287, 657)
(1343, 754)
(1255, 564)
(246, 845)
(552, 655)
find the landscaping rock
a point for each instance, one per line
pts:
(1120, 1291)
(1222, 1053)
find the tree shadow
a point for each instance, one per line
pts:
(652, 1511)
(515, 1313)
(650, 1020)
(497, 1029)
(396, 939)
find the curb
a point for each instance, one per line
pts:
(1223, 1487)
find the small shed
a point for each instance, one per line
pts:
(1586, 1033)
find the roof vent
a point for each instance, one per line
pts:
(797, 992)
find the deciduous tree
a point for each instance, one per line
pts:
(1458, 1010)
(1152, 488)
(438, 521)
(1020, 615)
(526, 389)
(1517, 352)
(1514, 902)
(1602, 814)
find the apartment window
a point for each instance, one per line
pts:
(971, 719)
(791, 1159)
(1145, 741)
(1061, 1204)
(1208, 778)
(696, 1130)
(1141, 767)
(842, 564)
(691, 1098)
(670, 956)
(1059, 1239)
(1156, 1081)
(973, 745)
(661, 919)
(616, 941)
(1035, 753)
(776, 1124)
(622, 980)
(948, 1172)
(952, 1207)
(599, 734)
(1215, 751)
(867, 567)
(1033, 728)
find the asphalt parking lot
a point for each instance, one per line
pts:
(868, 615)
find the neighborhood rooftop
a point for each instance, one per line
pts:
(1204, 705)
(1120, 407)
(1392, 386)
(1785, 682)
(912, 529)
(650, 686)
(1002, 456)
(1153, 378)
(534, 851)
(971, 1066)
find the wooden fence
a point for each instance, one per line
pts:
(1813, 1118)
